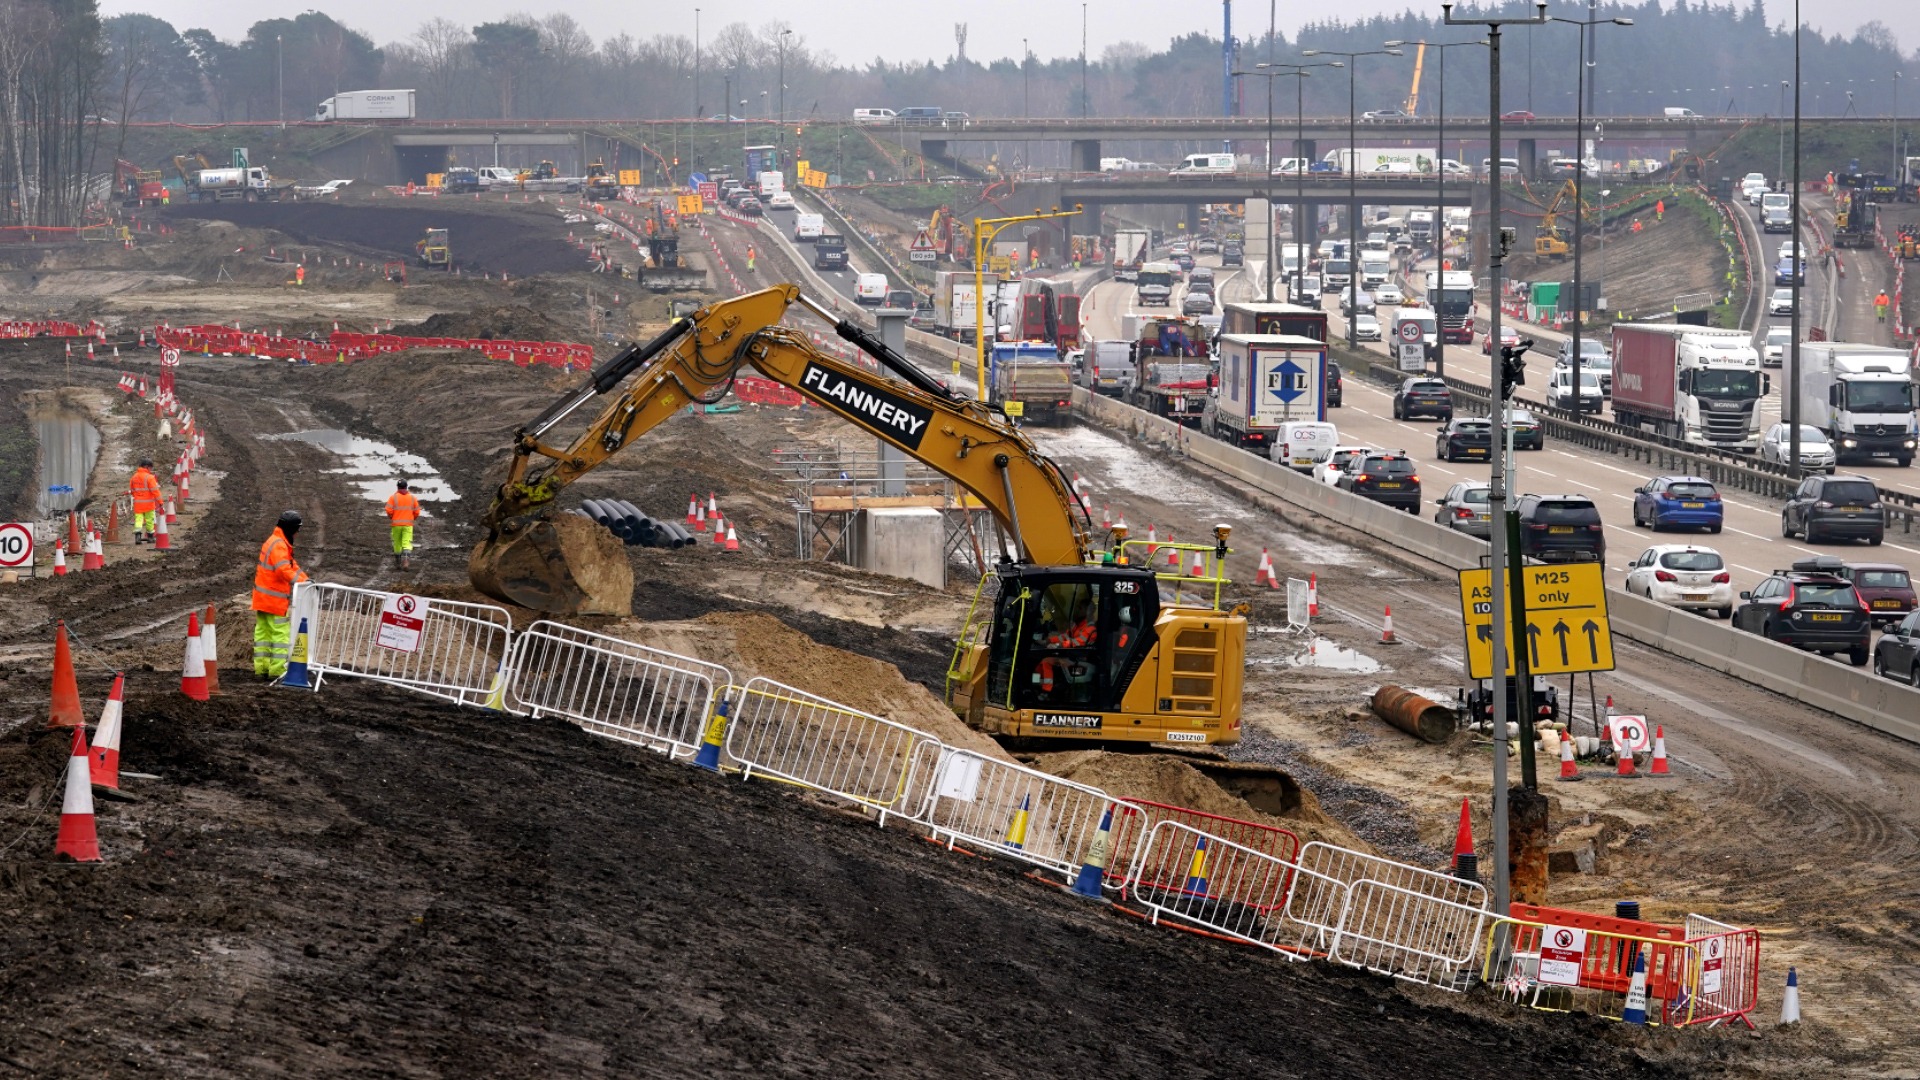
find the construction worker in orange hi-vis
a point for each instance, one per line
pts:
(273, 581)
(1660, 210)
(145, 489)
(1880, 306)
(749, 256)
(403, 509)
(299, 275)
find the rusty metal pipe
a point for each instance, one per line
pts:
(1413, 714)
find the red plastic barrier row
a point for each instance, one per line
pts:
(47, 327)
(344, 346)
(764, 392)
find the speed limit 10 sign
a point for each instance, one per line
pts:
(16, 545)
(169, 357)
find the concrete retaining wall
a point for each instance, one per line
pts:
(1830, 685)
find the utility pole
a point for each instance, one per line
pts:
(280, 81)
(697, 107)
(1497, 495)
(1353, 191)
(782, 140)
(1026, 81)
(1793, 320)
(1579, 186)
(1085, 101)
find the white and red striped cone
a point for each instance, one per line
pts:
(93, 555)
(1153, 537)
(713, 508)
(77, 840)
(1386, 628)
(693, 509)
(193, 673)
(700, 519)
(1122, 523)
(1199, 567)
(210, 649)
(103, 763)
(1106, 517)
(1569, 769)
(733, 541)
(185, 477)
(720, 530)
(60, 558)
(1659, 765)
(1313, 596)
(162, 541)
(1265, 575)
(170, 516)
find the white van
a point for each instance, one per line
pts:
(808, 227)
(1673, 113)
(1206, 165)
(1303, 444)
(874, 116)
(870, 289)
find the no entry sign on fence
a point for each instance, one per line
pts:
(402, 617)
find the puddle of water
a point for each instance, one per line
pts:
(69, 445)
(378, 462)
(1327, 656)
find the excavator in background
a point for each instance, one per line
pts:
(137, 186)
(1853, 211)
(543, 171)
(432, 249)
(1082, 640)
(601, 183)
(1547, 240)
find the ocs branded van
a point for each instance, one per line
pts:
(874, 116)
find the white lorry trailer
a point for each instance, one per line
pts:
(1266, 380)
(955, 314)
(1130, 248)
(1862, 396)
(1695, 383)
(367, 105)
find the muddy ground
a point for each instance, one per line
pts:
(479, 242)
(362, 881)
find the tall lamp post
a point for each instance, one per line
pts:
(1353, 192)
(1270, 76)
(782, 140)
(1793, 234)
(984, 230)
(1497, 493)
(1579, 182)
(1439, 205)
(1026, 81)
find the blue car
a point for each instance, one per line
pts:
(1784, 270)
(1683, 502)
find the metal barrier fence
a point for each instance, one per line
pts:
(1007, 809)
(613, 687)
(1227, 887)
(1135, 818)
(1387, 916)
(446, 648)
(807, 740)
(1726, 986)
(1562, 969)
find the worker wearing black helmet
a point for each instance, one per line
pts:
(273, 581)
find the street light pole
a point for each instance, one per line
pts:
(1497, 493)
(1291, 70)
(1580, 184)
(697, 108)
(1353, 190)
(782, 140)
(1793, 234)
(280, 81)
(1026, 81)
(1439, 206)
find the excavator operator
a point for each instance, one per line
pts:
(1072, 626)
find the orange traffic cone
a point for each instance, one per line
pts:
(171, 517)
(193, 674)
(733, 541)
(1199, 567)
(73, 531)
(77, 839)
(93, 555)
(693, 509)
(65, 711)
(713, 508)
(210, 651)
(1465, 863)
(161, 540)
(184, 477)
(1153, 538)
(1173, 559)
(1313, 596)
(1386, 628)
(1626, 761)
(1569, 770)
(113, 522)
(103, 763)
(1106, 516)
(1265, 576)
(60, 558)
(1659, 766)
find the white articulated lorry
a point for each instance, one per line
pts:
(1695, 383)
(1266, 380)
(367, 105)
(1862, 396)
(1130, 248)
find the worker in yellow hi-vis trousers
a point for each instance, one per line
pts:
(273, 581)
(402, 511)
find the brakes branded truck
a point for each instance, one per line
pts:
(1862, 396)
(1695, 383)
(1266, 380)
(1450, 295)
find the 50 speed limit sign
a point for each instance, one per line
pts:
(1410, 332)
(16, 545)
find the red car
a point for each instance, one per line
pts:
(1508, 336)
(1884, 587)
(1520, 115)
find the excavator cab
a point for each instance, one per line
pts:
(600, 181)
(433, 248)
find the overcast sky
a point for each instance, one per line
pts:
(856, 31)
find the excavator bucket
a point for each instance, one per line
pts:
(566, 565)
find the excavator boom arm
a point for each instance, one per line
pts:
(698, 357)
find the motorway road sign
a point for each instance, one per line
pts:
(1413, 357)
(169, 357)
(1567, 628)
(922, 249)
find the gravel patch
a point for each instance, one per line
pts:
(1372, 814)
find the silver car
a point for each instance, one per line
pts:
(1464, 508)
(1815, 451)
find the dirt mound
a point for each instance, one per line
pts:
(495, 243)
(502, 323)
(1174, 781)
(1643, 271)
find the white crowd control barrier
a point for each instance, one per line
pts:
(1011, 810)
(1395, 918)
(809, 741)
(1230, 888)
(613, 687)
(446, 648)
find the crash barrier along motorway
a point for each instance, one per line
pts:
(1853, 693)
(445, 648)
(613, 687)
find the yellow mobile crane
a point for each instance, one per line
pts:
(1413, 96)
(1080, 642)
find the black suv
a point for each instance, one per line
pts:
(1561, 528)
(1470, 438)
(1385, 476)
(1835, 508)
(1335, 385)
(1808, 609)
(1422, 397)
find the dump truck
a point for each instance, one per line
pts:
(1080, 640)
(1695, 383)
(1030, 381)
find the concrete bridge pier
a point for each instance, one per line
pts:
(1084, 156)
(1528, 154)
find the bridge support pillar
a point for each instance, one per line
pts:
(1085, 156)
(1305, 148)
(1193, 218)
(1529, 155)
(934, 150)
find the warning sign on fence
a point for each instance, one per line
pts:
(402, 617)
(1562, 950)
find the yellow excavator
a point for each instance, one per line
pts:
(1081, 642)
(601, 183)
(1547, 240)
